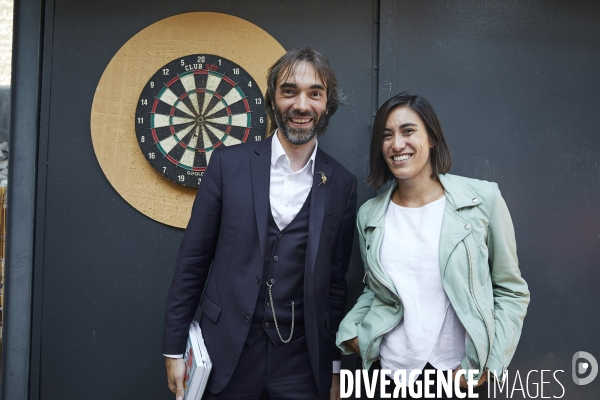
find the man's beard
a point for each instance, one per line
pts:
(299, 136)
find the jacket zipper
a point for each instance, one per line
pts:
(475, 298)
(386, 330)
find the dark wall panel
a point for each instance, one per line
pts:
(106, 267)
(515, 85)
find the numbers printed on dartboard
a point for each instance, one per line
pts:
(191, 106)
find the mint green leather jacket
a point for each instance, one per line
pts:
(480, 274)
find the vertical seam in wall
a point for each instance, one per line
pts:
(387, 52)
(375, 80)
(48, 8)
(388, 49)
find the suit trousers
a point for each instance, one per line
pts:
(274, 373)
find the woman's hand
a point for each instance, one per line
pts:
(463, 381)
(353, 344)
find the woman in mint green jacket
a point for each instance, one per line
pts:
(443, 286)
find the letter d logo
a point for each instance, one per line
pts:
(582, 367)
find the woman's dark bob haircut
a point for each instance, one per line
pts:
(284, 67)
(439, 154)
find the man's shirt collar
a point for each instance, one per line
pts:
(278, 155)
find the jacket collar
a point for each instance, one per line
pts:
(458, 196)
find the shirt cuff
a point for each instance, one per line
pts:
(176, 355)
(337, 366)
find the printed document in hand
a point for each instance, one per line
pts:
(197, 364)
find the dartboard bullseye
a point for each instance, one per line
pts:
(191, 106)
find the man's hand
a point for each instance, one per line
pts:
(463, 381)
(334, 392)
(175, 373)
(353, 344)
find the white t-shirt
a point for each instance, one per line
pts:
(430, 331)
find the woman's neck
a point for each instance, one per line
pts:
(417, 194)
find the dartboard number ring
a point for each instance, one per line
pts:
(190, 107)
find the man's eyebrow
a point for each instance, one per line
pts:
(294, 86)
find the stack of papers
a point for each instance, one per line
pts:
(197, 364)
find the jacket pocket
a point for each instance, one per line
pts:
(331, 220)
(210, 309)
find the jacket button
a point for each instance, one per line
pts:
(257, 279)
(267, 325)
(247, 319)
(475, 200)
(275, 258)
(467, 226)
(280, 236)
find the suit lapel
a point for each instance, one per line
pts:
(317, 208)
(260, 164)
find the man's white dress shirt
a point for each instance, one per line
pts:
(288, 189)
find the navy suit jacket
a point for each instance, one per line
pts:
(221, 256)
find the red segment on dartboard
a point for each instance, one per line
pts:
(172, 81)
(232, 83)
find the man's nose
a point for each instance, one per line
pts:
(301, 103)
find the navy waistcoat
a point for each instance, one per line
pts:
(284, 263)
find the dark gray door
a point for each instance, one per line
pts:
(515, 86)
(105, 268)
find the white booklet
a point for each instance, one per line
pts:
(197, 364)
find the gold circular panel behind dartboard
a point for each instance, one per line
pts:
(132, 73)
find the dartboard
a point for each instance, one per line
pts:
(191, 106)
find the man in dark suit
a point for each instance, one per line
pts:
(273, 222)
